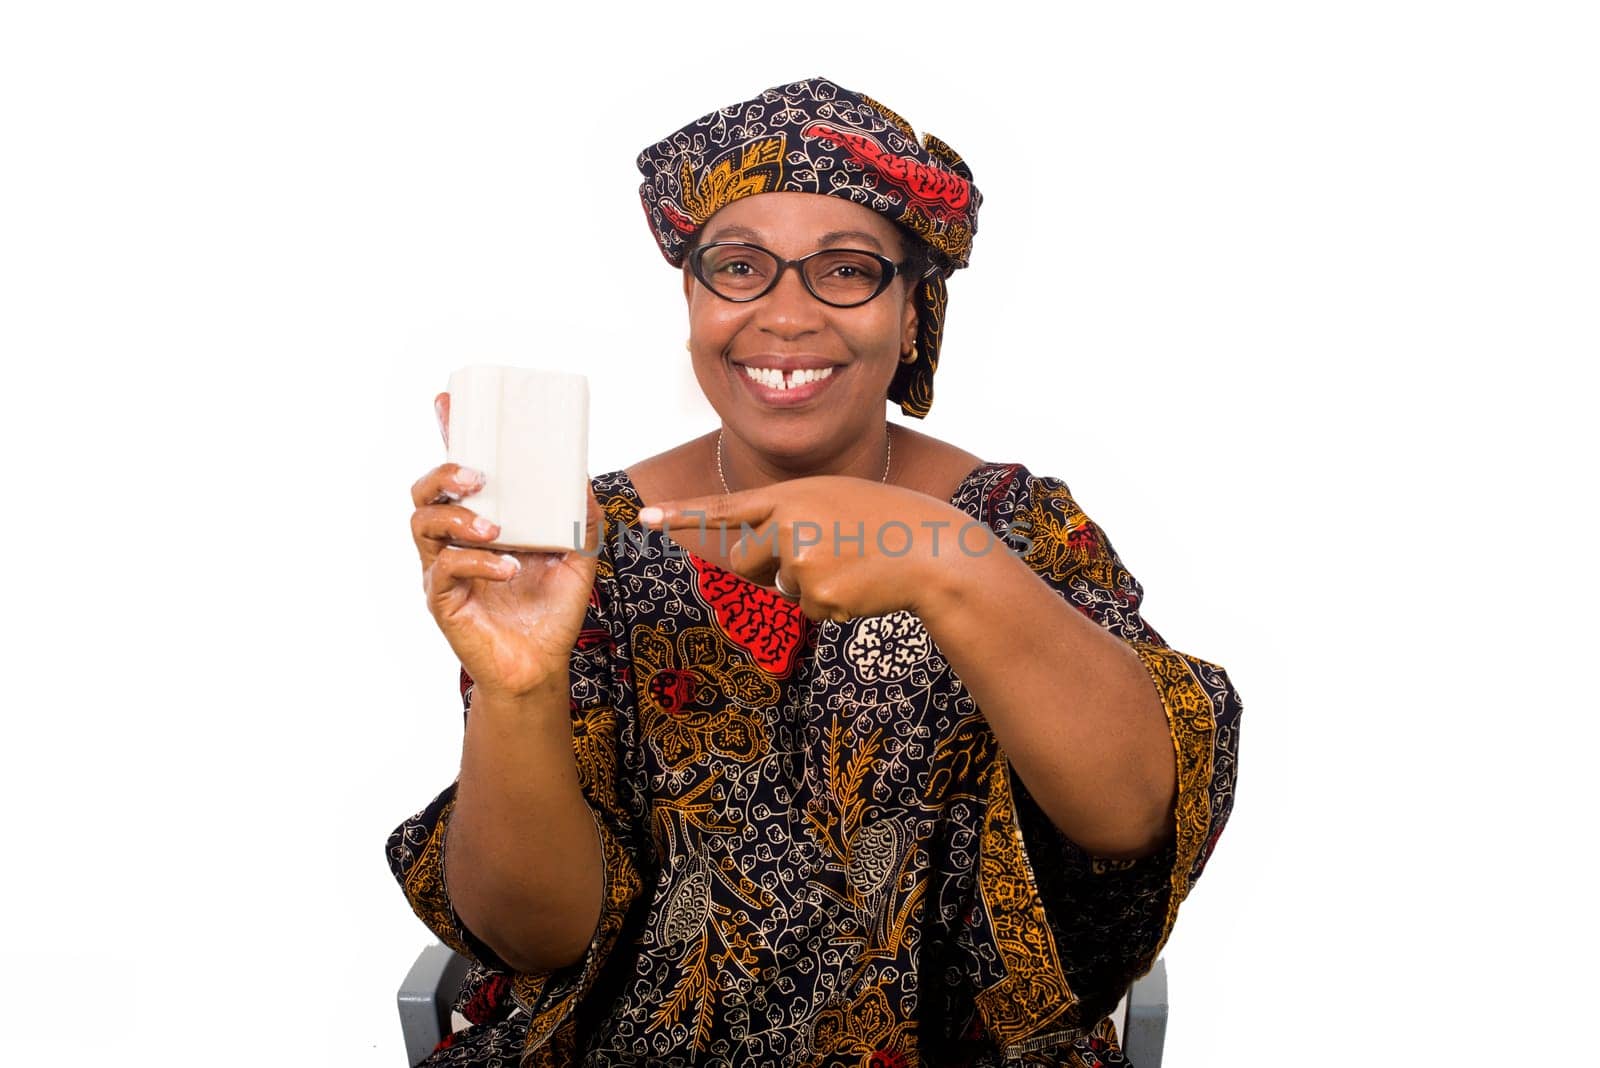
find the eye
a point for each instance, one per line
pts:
(733, 265)
(846, 268)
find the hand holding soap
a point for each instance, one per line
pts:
(528, 432)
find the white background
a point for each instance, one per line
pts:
(1299, 298)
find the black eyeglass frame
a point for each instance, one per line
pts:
(891, 270)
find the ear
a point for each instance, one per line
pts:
(688, 284)
(908, 326)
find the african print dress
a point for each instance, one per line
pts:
(816, 853)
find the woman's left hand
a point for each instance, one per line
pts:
(849, 546)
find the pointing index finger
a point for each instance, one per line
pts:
(752, 507)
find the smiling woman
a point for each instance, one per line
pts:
(747, 352)
(859, 751)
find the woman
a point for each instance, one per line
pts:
(856, 750)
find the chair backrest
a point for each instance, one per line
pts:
(426, 995)
(430, 989)
(1144, 1028)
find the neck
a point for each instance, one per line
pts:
(744, 467)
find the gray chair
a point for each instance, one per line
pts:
(1141, 1018)
(430, 990)
(426, 997)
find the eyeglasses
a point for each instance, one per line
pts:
(842, 277)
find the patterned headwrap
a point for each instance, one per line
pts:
(815, 137)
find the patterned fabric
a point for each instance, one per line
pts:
(816, 137)
(816, 852)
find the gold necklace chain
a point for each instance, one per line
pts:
(888, 455)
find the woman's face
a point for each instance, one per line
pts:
(855, 350)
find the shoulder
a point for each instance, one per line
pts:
(1009, 496)
(930, 465)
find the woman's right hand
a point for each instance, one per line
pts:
(511, 618)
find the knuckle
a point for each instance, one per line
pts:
(823, 590)
(723, 511)
(430, 523)
(743, 554)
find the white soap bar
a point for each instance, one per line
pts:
(528, 432)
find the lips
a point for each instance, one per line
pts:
(786, 383)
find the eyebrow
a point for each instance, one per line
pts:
(832, 237)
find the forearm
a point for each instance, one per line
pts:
(1071, 704)
(522, 857)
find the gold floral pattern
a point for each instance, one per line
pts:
(695, 697)
(1065, 543)
(1034, 994)
(594, 745)
(755, 167)
(866, 1033)
(1194, 727)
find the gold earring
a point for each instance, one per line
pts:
(688, 345)
(910, 357)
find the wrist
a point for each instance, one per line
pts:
(963, 565)
(529, 695)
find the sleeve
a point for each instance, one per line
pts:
(602, 740)
(1109, 919)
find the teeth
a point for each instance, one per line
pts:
(773, 378)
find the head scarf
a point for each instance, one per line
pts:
(816, 137)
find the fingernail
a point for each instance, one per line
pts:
(650, 516)
(467, 477)
(516, 565)
(481, 525)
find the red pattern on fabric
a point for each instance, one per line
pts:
(673, 689)
(1001, 489)
(483, 1003)
(676, 217)
(591, 639)
(769, 627)
(944, 194)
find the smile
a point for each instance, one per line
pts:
(773, 378)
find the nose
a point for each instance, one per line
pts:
(788, 310)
